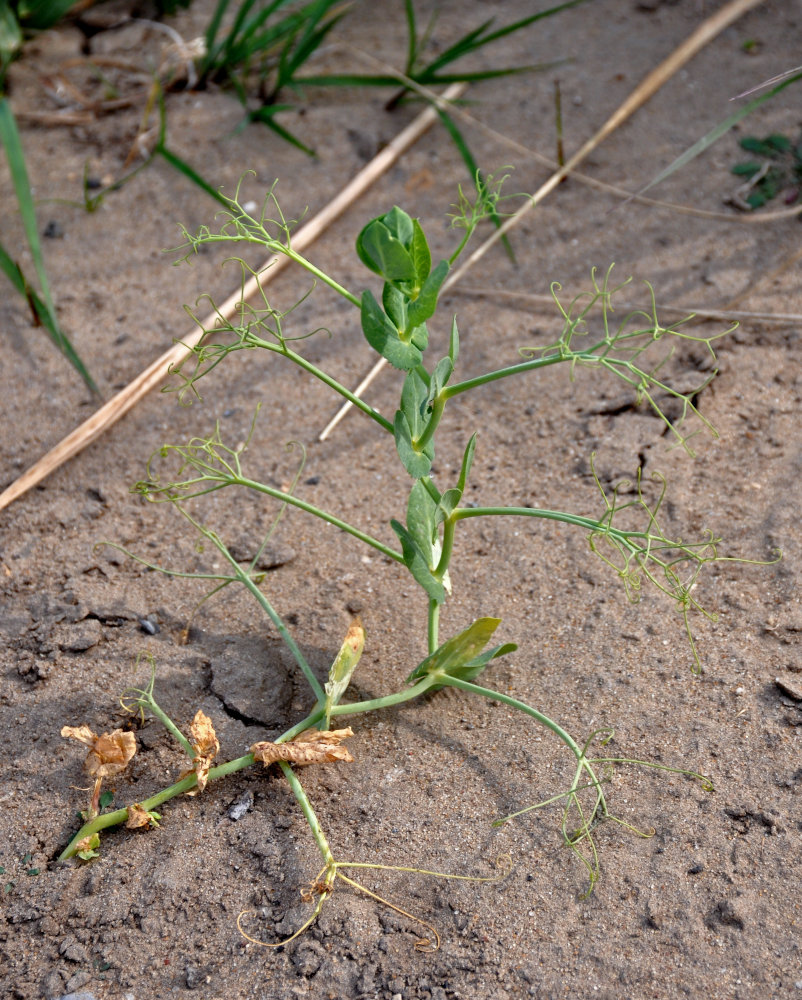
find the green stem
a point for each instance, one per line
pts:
(275, 246)
(248, 582)
(524, 366)
(388, 700)
(169, 725)
(310, 267)
(434, 624)
(322, 514)
(448, 546)
(318, 373)
(308, 811)
(118, 816)
(583, 764)
(468, 231)
(553, 515)
(184, 785)
(438, 405)
(544, 720)
(301, 727)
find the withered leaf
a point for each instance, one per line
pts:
(206, 745)
(108, 754)
(310, 747)
(204, 738)
(138, 817)
(86, 848)
(81, 733)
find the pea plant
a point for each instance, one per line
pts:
(627, 534)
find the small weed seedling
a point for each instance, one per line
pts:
(264, 49)
(627, 535)
(775, 169)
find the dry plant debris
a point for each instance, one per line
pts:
(206, 746)
(311, 747)
(109, 754)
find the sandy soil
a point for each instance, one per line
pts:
(710, 905)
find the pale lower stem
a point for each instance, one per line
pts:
(309, 812)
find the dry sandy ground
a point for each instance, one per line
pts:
(710, 905)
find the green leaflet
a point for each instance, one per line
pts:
(421, 510)
(382, 335)
(417, 564)
(419, 252)
(417, 463)
(384, 253)
(343, 667)
(467, 461)
(410, 422)
(422, 307)
(462, 656)
(443, 371)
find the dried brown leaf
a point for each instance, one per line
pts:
(108, 754)
(204, 738)
(310, 747)
(138, 817)
(206, 745)
(81, 733)
(88, 845)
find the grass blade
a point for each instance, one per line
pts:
(41, 14)
(10, 137)
(412, 36)
(477, 40)
(266, 115)
(315, 29)
(10, 39)
(43, 307)
(42, 316)
(347, 80)
(425, 79)
(184, 168)
(715, 133)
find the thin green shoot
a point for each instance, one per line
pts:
(42, 307)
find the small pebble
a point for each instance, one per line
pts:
(242, 806)
(148, 626)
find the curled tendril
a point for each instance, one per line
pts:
(252, 327)
(236, 224)
(322, 887)
(482, 203)
(205, 465)
(621, 350)
(643, 554)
